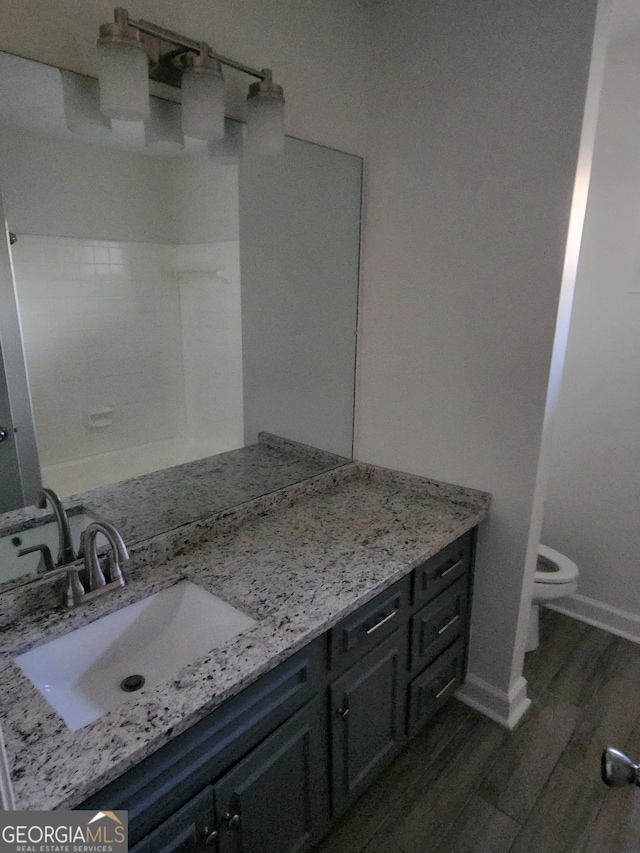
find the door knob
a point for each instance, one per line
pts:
(617, 770)
(4, 433)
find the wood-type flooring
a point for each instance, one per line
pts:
(465, 785)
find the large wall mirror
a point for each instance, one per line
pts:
(174, 299)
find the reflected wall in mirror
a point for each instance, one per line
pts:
(174, 300)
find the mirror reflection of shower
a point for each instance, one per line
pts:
(140, 350)
(134, 354)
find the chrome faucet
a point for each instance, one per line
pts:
(89, 550)
(66, 553)
(93, 582)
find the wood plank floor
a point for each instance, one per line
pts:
(464, 784)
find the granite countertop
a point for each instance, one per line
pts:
(147, 506)
(297, 561)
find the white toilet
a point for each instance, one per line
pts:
(556, 577)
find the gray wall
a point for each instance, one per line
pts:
(474, 128)
(299, 265)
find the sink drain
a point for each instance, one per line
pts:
(132, 683)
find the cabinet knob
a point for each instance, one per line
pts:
(343, 712)
(4, 433)
(210, 838)
(232, 820)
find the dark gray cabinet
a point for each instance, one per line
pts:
(434, 686)
(436, 625)
(275, 799)
(445, 567)
(172, 776)
(268, 770)
(189, 830)
(363, 630)
(367, 714)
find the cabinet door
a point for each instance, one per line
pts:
(187, 831)
(367, 707)
(275, 800)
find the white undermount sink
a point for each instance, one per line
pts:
(81, 674)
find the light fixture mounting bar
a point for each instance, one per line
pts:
(131, 52)
(156, 31)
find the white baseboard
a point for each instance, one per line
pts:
(600, 615)
(507, 709)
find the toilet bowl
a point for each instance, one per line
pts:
(556, 577)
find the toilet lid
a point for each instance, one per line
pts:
(554, 567)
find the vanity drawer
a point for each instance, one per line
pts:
(434, 686)
(363, 630)
(438, 624)
(440, 571)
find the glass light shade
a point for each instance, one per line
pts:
(124, 81)
(265, 125)
(203, 103)
(163, 132)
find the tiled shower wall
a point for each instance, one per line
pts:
(208, 277)
(103, 338)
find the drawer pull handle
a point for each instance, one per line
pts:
(382, 622)
(451, 568)
(445, 688)
(211, 838)
(449, 624)
(343, 712)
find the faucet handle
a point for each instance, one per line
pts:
(74, 592)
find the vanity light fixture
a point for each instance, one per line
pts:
(122, 71)
(130, 52)
(202, 96)
(265, 116)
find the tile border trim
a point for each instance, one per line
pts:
(600, 615)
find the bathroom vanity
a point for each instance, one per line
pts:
(269, 769)
(359, 580)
